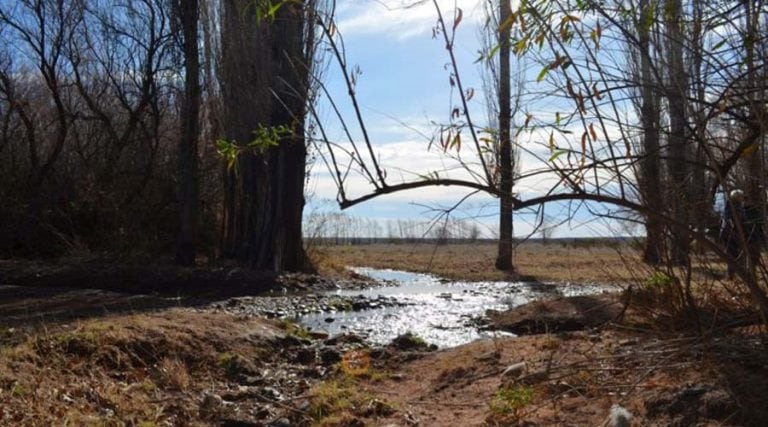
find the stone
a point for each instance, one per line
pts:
(379, 408)
(408, 342)
(329, 356)
(318, 335)
(210, 404)
(346, 338)
(236, 422)
(280, 422)
(618, 417)
(305, 356)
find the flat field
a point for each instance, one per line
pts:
(559, 262)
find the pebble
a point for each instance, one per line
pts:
(211, 403)
(280, 422)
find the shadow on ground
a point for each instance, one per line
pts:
(34, 292)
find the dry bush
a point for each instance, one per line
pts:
(173, 374)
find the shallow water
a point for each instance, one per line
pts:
(441, 312)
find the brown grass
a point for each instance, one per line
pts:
(574, 378)
(145, 369)
(597, 263)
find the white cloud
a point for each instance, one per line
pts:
(401, 19)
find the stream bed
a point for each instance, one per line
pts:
(444, 313)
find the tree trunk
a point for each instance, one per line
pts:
(704, 217)
(188, 14)
(754, 189)
(265, 85)
(678, 151)
(650, 118)
(504, 259)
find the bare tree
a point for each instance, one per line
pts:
(91, 124)
(587, 149)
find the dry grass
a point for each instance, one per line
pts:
(594, 263)
(174, 374)
(123, 370)
(574, 378)
(343, 401)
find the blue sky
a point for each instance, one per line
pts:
(405, 76)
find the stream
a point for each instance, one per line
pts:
(444, 313)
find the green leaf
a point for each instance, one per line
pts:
(273, 8)
(493, 51)
(557, 154)
(542, 73)
(719, 44)
(520, 46)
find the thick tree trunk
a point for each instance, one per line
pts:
(265, 84)
(678, 151)
(504, 259)
(188, 14)
(650, 166)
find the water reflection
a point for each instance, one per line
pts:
(442, 313)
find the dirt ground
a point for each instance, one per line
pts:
(144, 369)
(585, 356)
(574, 379)
(124, 357)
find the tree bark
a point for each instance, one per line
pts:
(505, 254)
(650, 118)
(265, 76)
(188, 14)
(754, 188)
(704, 217)
(678, 164)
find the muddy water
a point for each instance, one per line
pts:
(441, 312)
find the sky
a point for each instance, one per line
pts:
(403, 89)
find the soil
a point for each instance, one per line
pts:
(600, 362)
(574, 379)
(158, 345)
(559, 315)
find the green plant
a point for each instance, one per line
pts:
(341, 398)
(18, 390)
(509, 400)
(331, 397)
(232, 363)
(657, 280)
(294, 329)
(263, 139)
